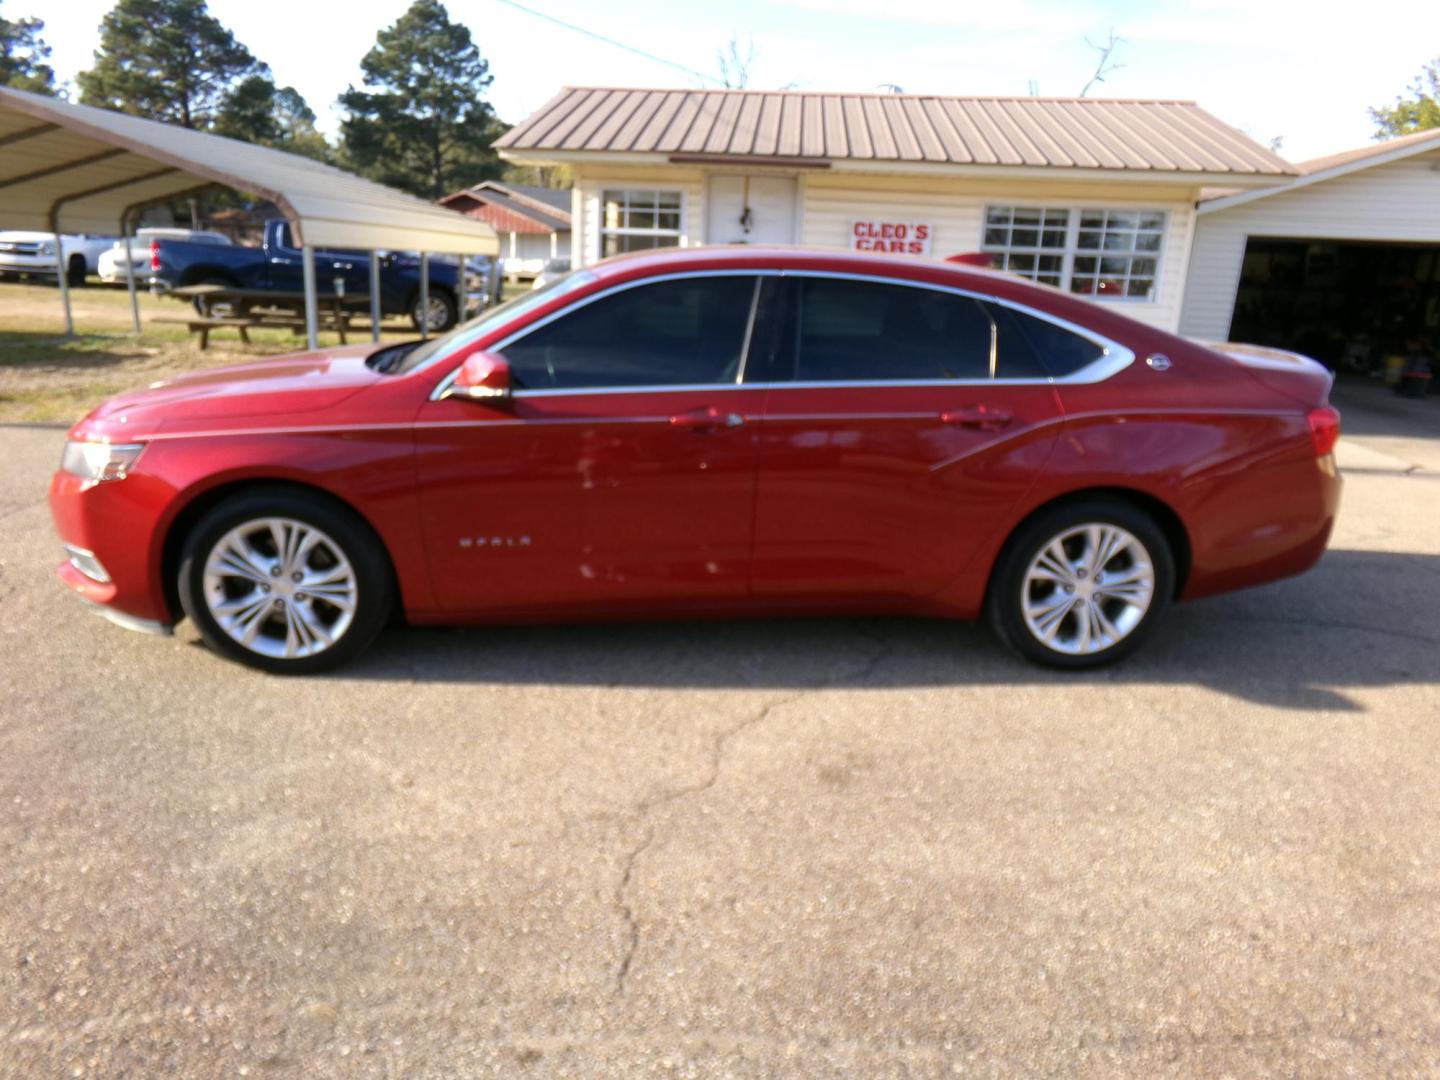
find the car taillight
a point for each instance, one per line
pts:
(1324, 429)
(155, 255)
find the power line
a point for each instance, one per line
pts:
(610, 41)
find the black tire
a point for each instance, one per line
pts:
(373, 588)
(437, 296)
(1009, 591)
(75, 271)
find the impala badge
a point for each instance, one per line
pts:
(494, 541)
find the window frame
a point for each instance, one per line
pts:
(1075, 212)
(601, 232)
(1114, 357)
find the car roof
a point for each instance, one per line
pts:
(1103, 319)
(798, 257)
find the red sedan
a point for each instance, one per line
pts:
(710, 432)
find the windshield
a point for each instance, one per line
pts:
(466, 332)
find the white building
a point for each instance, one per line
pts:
(1093, 196)
(533, 223)
(1343, 262)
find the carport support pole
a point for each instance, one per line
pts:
(462, 286)
(312, 308)
(129, 231)
(424, 295)
(60, 276)
(374, 295)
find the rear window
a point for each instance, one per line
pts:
(1029, 347)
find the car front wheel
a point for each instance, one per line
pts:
(1080, 585)
(285, 583)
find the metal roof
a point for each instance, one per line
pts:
(74, 168)
(1318, 170)
(557, 199)
(516, 210)
(809, 128)
(1416, 142)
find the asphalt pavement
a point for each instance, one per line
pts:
(813, 848)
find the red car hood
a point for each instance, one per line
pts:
(284, 386)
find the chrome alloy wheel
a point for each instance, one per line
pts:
(1087, 589)
(280, 588)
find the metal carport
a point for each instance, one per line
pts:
(68, 167)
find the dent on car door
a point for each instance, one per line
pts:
(622, 469)
(903, 425)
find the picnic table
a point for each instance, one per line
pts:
(251, 308)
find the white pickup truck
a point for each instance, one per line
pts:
(33, 253)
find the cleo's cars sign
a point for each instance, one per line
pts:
(895, 237)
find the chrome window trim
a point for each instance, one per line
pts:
(1113, 359)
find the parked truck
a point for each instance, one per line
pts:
(32, 254)
(277, 265)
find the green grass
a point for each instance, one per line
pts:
(46, 376)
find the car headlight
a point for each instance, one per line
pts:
(95, 462)
(47, 247)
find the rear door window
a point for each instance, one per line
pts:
(862, 331)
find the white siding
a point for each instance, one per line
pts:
(1396, 202)
(957, 210)
(591, 181)
(830, 202)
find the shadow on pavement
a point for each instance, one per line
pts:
(1361, 619)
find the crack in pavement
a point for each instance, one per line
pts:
(718, 746)
(22, 508)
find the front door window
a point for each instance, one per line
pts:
(681, 332)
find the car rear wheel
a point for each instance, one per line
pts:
(442, 314)
(1080, 585)
(284, 583)
(75, 271)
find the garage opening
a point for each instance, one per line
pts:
(1345, 303)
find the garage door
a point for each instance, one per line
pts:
(1348, 304)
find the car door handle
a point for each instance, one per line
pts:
(708, 419)
(978, 417)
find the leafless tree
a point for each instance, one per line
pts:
(735, 65)
(1106, 63)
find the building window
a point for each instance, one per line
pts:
(639, 220)
(1113, 254)
(1118, 253)
(1028, 242)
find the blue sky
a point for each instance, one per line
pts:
(1304, 71)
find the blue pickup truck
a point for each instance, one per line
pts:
(276, 264)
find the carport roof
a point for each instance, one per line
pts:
(75, 168)
(1126, 138)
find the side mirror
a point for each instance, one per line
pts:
(482, 377)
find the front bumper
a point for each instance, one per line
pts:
(97, 595)
(25, 264)
(116, 525)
